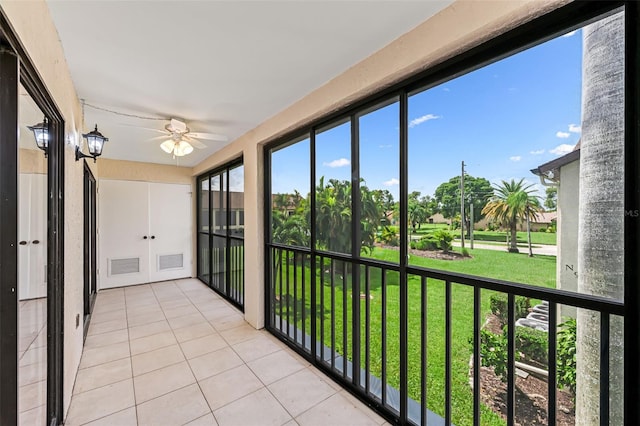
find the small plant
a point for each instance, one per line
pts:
(465, 252)
(498, 304)
(444, 239)
(534, 344)
(389, 237)
(493, 351)
(566, 355)
(428, 242)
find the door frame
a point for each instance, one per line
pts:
(90, 285)
(16, 67)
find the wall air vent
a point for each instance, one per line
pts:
(170, 261)
(124, 266)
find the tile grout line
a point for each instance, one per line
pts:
(133, 383)
(191, 369)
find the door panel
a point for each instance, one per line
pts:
(170, 231)
(32, 234)
(124, 224)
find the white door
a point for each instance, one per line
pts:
(123, 217)
(32, 236)
(144, 232)
(170, 231)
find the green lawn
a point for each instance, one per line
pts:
(539, 270)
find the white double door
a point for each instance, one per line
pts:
(145, 232)
(32, 236)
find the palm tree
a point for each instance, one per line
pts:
(512, 201)
(601, 214)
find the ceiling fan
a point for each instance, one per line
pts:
(180, 140)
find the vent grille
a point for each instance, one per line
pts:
(125, 266)
(170, 261)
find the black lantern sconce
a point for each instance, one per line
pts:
(41, 134)
(95, 143)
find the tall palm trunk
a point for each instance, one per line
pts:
(513, 244)
(601, 212)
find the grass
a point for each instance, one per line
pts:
(539, 270)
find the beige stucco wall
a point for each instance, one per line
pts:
(567, 232)
(146, 172)
(32, 23)
(461, 26)
(32, 161)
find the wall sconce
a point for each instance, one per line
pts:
(95, 142)
(41, 134)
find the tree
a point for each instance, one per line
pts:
(601, 214)
(477, 191)
(384, 198)
(551, 202)
(513, 201)
(334, 216)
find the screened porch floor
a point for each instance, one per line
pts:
(176, 353)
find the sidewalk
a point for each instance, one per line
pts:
(548, 250)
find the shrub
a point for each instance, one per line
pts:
(499, 307)
(428, 242)
(389, 237)
(543, 229)
(493, 350)
(534, 344)
(444, 239)
(566, 355)
(465, 253)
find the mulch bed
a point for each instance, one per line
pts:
(531, 393)
(431, 254)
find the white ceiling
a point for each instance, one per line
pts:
(223, 66)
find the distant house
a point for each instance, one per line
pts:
(564, 172)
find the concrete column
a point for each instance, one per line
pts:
(254, 232)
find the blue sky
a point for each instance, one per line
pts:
(502, 120)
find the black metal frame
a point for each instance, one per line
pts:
(539, 30)
(89, 250)
(30, 79)
(235, 297)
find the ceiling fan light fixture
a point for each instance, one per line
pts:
(182, 148)
(167, 146)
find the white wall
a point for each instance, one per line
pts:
(567, 232)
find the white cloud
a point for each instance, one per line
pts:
(570, 33)
(562, 149)
(391, 182)
(385, 146)
(574, 128)
(446, 89)
(538, 152)
(341, 162)
(422, 119)
(515, 158)
(563, 135)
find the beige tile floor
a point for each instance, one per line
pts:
(176, 353)
(32, 361)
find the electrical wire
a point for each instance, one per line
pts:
(122, 114)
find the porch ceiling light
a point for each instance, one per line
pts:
(178, 149)
(41, 134)
(95, 143)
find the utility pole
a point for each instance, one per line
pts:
(462, 207)
(471, 230)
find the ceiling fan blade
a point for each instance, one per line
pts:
(209, 136)
(196, 143)
(157, 138)
(178, 126)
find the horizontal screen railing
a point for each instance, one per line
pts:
(345, 316)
